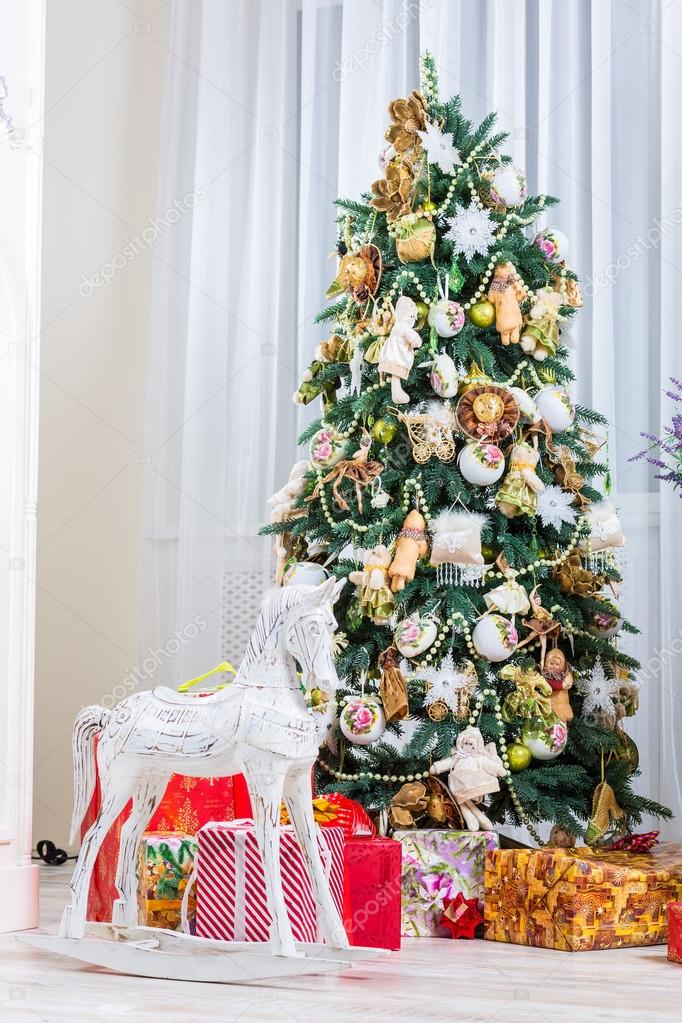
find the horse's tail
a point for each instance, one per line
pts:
(89, 722)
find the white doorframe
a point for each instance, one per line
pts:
(22, 65)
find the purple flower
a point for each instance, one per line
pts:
(670, 444)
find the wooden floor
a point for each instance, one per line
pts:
(429, 980)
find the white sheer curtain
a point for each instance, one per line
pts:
(275, 107)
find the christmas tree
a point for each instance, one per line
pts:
(455, 484)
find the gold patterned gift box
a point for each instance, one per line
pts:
(581, 899)
(164, 864)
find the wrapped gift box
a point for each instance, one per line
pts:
(436, 866)
(372, 889)
(164, 864)
(675, 932)
(188, 803)
(337, 811)
(231, 899)
(580, 899)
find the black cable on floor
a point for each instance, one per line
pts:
(50, 854)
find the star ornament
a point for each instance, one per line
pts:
(598, 691)
(555, 507)
(472, 231)
(439, 148)
(461, 916)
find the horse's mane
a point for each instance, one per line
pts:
(277, 603)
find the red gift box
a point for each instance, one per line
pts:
(675, 932)
(188, 803)
(231, 899)
(372, 892)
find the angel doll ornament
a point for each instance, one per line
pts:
(474, 770)
(397, 353)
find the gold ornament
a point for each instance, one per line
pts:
(393, 194)
(437, 711)
(408, 118)
(393, 687)
(572, 577)
(431, 433)
(482, 314)
(519, 757)
(359, 274)
(487, 413)
(606, 813)
(409, 802)
(415, 237)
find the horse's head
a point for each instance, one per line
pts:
(308, 635)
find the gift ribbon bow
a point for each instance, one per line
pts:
(218, 670)
(324, 811)
(636, 843)
(531, 698)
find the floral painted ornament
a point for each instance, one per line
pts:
(508, 187)
(553, 244)
(481, 464)
(414, 635)
(443, 376)
(326, 447)
(555, 407)
(494, 637)
(446, 317)
(546, 739)
(362, 720)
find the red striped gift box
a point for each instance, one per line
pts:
(231, 900)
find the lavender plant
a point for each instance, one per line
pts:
(665, 453)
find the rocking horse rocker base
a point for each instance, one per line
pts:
(170, 955)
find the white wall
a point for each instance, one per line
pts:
(104, 68)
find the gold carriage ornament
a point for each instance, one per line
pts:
(430, 432)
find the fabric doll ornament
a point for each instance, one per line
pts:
(474, 769)
(410, 546)
(518, 492)
(376, 598)
(397, 352)
(505, 293)
(540, 336)
(456, 548)
(510, 597)
(555, 671)
(393, 686)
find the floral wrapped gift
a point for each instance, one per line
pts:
(164, 864)
(675, 932)
(581, 899)
(437, 865)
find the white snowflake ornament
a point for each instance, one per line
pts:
(555, 507)
(598, 693)
(447, 680)
(439, 148)
(472, 231)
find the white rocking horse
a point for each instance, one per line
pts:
(259, 725)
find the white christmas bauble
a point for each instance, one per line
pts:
(494, 637)
(555, 407)
(530, 414)
(508, 186)
(414, 635)
(447, 317)
(362, 720)
(545, 739)
(553, 244)
(326, 448)
(481, 464)
(443, 376)
(304, 573)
